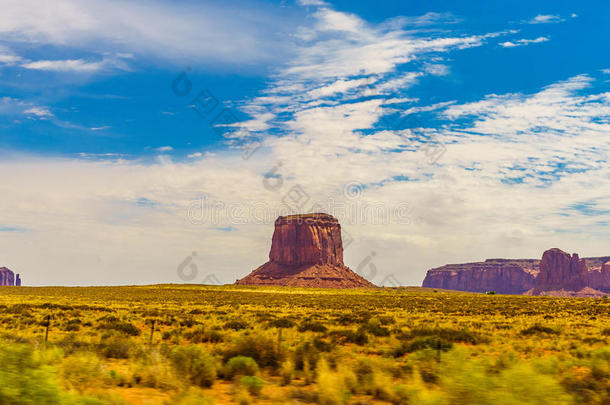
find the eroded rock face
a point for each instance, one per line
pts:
(302, 239)
(503, 276)
(306, 251)
(561, 271)
(7, 277)
(557, 274)
(599, 278)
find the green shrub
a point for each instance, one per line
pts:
(261, 348)
(240, 365)
(253, 384)
(24, 379)
(195, 364)
(115, 347)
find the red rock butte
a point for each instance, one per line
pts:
(306, 251)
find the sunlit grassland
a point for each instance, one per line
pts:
(184, 344)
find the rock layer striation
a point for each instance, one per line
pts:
(558, 273)
(503, 276)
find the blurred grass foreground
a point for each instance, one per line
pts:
(250, 345)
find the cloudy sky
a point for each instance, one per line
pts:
(156, 141)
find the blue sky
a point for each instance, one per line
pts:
(487, 123)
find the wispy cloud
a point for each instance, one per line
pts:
(164, 149)
(173, 32)
(80, 65)
(523, 42)
(17, 107)
(69, 65)
(546, 19)
(40, 112)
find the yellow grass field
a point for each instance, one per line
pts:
(172, 344)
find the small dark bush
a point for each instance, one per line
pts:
(282, 323)
(539, 329)
(342, 336)
(123, 327)
(448, 334)
(420, 344)
(312, 326)
(203, 335)
(115, 347)
(236, 325)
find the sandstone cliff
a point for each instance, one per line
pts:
(558, 274)
(306, 251)
(561, 271)
(500, 275)
(599, 278)
(7, 278)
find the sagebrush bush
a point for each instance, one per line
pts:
(258, 346)
(194, 364)
(115, 346)
(253, 384)
(240, 366)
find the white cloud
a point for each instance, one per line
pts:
(546, 19)
(16, 107)
(39, 112)
(7, 57)
(173, 32)
(195, 155)
(164, 149)
(69, 65)
(523, 42)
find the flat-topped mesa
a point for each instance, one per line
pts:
(561, 271)
(504, 276)
(306, 251)
(307, 239)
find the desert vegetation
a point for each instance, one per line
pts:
(268, 345)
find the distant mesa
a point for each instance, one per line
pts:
(306, 251)
(8, 278)
(557, 274)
